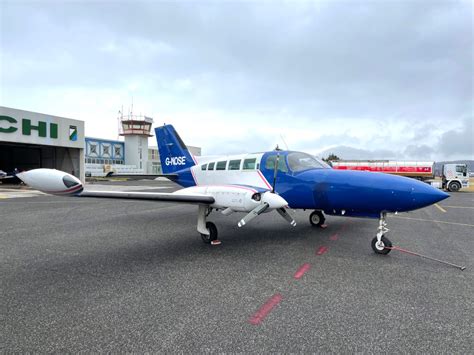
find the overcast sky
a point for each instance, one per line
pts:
(375, 79)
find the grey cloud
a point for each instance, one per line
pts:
(419, 152)
(387, 57)
(458, 141)
(313, 61)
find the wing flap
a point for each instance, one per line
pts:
(151, 196)
(172, 177)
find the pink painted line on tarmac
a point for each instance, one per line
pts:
(321, 250)
(334, 237)
(260, 315)
(302, 270)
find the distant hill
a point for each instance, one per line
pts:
(350, 153)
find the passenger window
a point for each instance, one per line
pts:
(249, 164)
(234, 164)
(221, 165)
(204, 167)
(211, 166)
(271, 161)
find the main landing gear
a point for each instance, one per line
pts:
(208, 230)
(317, 219)
(381, 244)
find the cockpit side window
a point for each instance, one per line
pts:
(298, 161)
(271, 161)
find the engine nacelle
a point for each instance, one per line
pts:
(52, 181)
(237, 198)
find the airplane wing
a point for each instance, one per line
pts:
(229, 199)
(152, 196)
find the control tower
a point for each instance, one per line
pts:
(136, 130)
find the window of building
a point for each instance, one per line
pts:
(204, 167)
(211, 166)
(234, 164)
(249, 164)
(221, 165)
(93, 149)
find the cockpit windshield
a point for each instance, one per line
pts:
(298, 161)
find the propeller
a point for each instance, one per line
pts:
(254, 213)
(286, 215)
(275, 171)
(270, 199)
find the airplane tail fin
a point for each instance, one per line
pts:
(174, 155)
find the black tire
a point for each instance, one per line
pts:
(212, 233)
(454, 186)
(316, 218)
(386, 243)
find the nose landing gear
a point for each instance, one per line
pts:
(381, 244)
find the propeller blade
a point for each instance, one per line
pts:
(275, 171)
(252, 214)
(286, 215)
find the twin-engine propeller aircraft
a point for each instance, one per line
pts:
(262, 182)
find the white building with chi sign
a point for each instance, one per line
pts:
(30, 140)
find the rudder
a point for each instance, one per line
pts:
(174, 155)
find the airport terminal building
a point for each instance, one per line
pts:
(30, 140)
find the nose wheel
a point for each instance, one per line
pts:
(381, 244)
(381, 247)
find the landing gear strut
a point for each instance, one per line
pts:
(208, 230)
(317, 219)
(381, 244)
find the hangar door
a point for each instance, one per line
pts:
(29, 156)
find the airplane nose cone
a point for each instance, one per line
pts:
(425, 195)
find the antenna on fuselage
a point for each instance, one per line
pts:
(283, 139)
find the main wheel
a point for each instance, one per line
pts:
(381, 248)
(212, 233)
(454, 186)
(317, 218)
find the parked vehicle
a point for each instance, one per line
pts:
(454, 176)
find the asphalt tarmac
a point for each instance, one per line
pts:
(112, 275)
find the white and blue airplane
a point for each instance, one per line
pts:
(262, 182)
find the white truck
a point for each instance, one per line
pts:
(455, 177)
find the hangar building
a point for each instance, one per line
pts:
(30, 140)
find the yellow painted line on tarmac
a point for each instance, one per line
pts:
(458, 207)
(435, 221)
(440, 208)
(3, 196)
